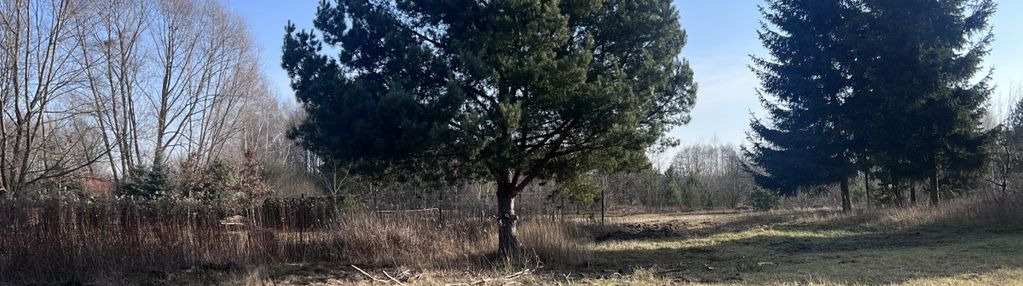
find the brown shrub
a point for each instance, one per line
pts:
(549, 241)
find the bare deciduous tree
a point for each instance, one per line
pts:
(126, 83)
(113, 53)
(169, 78)
(39, 78)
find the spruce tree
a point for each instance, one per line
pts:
(803, 87)
(918, 105)
(874, 85)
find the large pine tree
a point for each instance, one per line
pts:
(513, 91)
(803, 89)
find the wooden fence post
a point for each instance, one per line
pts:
(301, 227)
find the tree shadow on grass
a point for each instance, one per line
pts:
(870, 257)
(675, 229)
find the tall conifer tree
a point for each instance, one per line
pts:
(804, 85)
(514, 91)
(872, 84)
(918, 104)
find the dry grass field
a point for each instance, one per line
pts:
(959, 244)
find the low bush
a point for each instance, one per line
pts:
(762, 200)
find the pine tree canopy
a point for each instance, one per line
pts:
(513, 90)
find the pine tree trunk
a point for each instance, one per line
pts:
(846, 198)
(898, 195)
(934, 187)
(912, 194)
(603, 203)
(866, 186)
(507, 239)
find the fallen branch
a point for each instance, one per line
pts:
(671, 270)
(483, 281)
(480, 282)
(517, 274)
(392, 278)
(367, 274)
(406, 211)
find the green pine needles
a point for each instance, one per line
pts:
(512, 91)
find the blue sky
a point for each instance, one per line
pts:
(722, 35)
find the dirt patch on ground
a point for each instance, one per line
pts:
(684, 228)
(649, 230)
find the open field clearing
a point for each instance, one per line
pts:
(802, 247)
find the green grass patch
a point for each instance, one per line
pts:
(813, 248)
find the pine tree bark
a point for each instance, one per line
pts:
(846, 198)
(507, 239)
(912, 194)
(898, 195)
(866, 186)
(934, 187)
